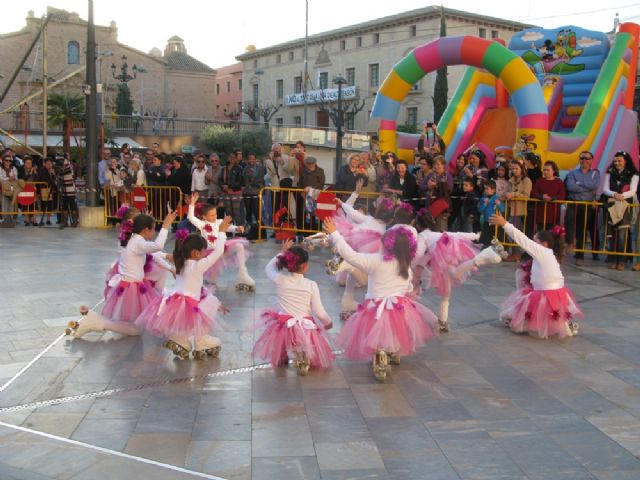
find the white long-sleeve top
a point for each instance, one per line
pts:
(383, 277)
(362, 221)
(201, 226)
(133, 257)
(189, 280)
(545, 269)
(633, 187)
(297, 296)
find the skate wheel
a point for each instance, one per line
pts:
(199, 354)
(443, 326)
(213, 352)
(68, 331)
(73, 325)
(84, 310)
(344, 316)
(394, 358)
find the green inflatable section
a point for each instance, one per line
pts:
(496, 58)
(409, 70)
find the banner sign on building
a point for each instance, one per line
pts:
(319, 96)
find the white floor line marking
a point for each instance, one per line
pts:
(111, 452)
(38, 357)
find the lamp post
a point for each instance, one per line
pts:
(92, 131)
(306, 62)
(141, 69)
(124, 76)
(340, 81)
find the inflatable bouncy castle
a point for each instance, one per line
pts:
(555, 92)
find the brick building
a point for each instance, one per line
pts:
(167, 83)
(228, 98)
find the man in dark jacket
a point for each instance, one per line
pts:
(231, 181)
(311, 176)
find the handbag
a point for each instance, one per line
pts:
(45, 194)
(438, 207)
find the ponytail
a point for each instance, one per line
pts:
(554, 238)
(292, 259)
(402, 254)
(185, 244)
(400, 242)
(126, 230)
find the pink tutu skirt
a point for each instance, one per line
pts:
(284, 333)
(154, 273)
(399, 325)
(448, 252)
(124, 301)
(180, 315)
(362, 240)
(543, 313)
(228, 260)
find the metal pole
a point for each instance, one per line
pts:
(45, 94)
(306, 62)
(91, 132)
(339, 132)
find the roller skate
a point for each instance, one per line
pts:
(206, 346)
(333, 265)
(244, 283)
(506, 321)
(499, 249)
(394, 358)
(317, 240)
(91, 322)
(489, 256)
(180, 346)
(302, 364)
(348, 306)
(443, 325)
(380, 365)
(573, 327)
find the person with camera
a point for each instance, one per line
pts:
(349, 174)
(68, 205)
(386, 168)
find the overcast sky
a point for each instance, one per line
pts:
(216, 31)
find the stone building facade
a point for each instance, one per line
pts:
(363, 55)
(228, 97)
(164, 85)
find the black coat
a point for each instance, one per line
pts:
(409, 187)
(181, 178)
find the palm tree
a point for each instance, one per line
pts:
(64, 110)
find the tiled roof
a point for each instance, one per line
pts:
(183, 61)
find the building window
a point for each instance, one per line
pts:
(374, 75)
(343, 44)
(279, 122)
(278, 58)
(291, 56)
(255, 94)
(239, 107)
(297, 121)
(482, 32)
(323, 80)
(412, 116)
(279, 89)
(217, 110)
(297, 84)
(495, 34)
(240, 84)
(73, 53)
(376, 38)
(416, 87)
(349, 121)
(255, 63)
(358, 41)
(413, 31)
(228, 87)
(217, 89)
(351, 76)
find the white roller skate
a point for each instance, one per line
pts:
(316, 240)
(244, 283)
(333, 265)
(180, 346)
(394, 358)
(443, 325)
(348, 305)
(380, 365)
(302, 363)
(499, 249)
(573, 327)
(206, 346)
(90, 322)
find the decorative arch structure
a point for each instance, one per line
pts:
(521, 84)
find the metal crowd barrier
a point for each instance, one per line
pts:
(45, 204)
(157, 200)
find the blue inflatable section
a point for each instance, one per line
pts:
(573, 53)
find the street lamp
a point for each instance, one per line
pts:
(340, 81)
(124, 76)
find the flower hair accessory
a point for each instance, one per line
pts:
(405, 206)
(387, 203)
(197, 210)
(290, 260)
(126, 229)
(558, 231)
(182, 234)
(423, 211)
(390, 241)
(122, 211)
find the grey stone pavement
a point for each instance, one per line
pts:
(476, 403)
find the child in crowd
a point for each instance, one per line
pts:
(489, 203)
(469, 205)
(128, 293)
(291, 329)
(388, 323)
(235, 249)
(546, 307)
(190, 309)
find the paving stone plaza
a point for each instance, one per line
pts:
(476, 403)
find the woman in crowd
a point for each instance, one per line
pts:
(402, 183)
(547, 189)
(29, 175)
(519, 187)
(439, 186)
(386, 168)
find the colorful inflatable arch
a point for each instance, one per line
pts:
(509, 68)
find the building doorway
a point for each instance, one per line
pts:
(322, 118)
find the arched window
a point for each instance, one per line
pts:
(73, 53)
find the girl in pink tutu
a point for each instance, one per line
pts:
(190, 309)
(291, 328)
(235, 249)
(388, 322)
(128, 292)
(546, 307)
